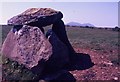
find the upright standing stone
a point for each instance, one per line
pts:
(59, 29)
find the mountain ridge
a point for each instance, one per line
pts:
(79, 24)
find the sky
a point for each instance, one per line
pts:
(100, 14)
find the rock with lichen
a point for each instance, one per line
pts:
(27, 46)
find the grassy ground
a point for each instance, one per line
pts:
(96, 37)
(101, 40)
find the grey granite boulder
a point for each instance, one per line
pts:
(28, 46)
(36, 17)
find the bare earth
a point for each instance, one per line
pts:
(102, 70)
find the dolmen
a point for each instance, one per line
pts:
(47, 54)
(27, 43)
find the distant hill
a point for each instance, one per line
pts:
(79, 24)
(73, 24)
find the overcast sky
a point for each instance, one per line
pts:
(103, 14)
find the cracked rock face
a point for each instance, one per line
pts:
(28, 46)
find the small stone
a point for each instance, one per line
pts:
(115, 78)
(74, 74)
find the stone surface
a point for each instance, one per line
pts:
(28, 46)
(36, 17)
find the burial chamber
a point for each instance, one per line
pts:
(28, 44)
(47, 55)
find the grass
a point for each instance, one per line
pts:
(93, 36)
(11, 70)
(101, 40)
(5, 30)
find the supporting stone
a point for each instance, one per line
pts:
(59, 29)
